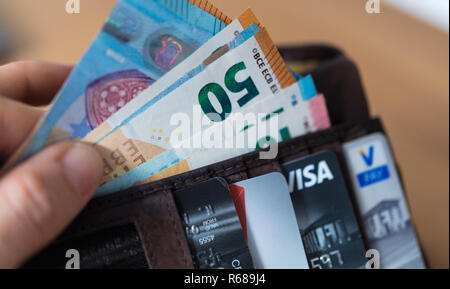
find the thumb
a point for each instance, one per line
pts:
(42, 196)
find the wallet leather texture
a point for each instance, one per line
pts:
(140, 227)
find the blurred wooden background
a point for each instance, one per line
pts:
(404, 65)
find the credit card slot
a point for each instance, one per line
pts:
(148, 230)
(161, 230)
(114, 247)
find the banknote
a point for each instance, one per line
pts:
(244, 75)
(298, 109)
(174, 78)
(295, 116)
(139, 42)
(205, 5)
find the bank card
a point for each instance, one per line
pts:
(212, 226)
(381, 202)
(268, 219)
(325, 215)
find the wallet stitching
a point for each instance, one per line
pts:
(180, 242)
(147, 240)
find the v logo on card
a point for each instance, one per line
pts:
(368, 159)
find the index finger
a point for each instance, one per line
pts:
(32, 82)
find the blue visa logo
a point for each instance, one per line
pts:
(368, 158)
(374, 175)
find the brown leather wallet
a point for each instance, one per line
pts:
(140, 227)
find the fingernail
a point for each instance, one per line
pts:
(83, 167)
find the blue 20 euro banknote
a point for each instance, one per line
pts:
(139, 42)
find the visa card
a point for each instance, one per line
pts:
(381, 202)
(268, 219)
(212, 226)
(324, 212)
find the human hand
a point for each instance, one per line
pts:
(40, 197)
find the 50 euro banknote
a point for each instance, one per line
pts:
(244, 75)
(139, 42)
(174, 78)
(298, 110)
